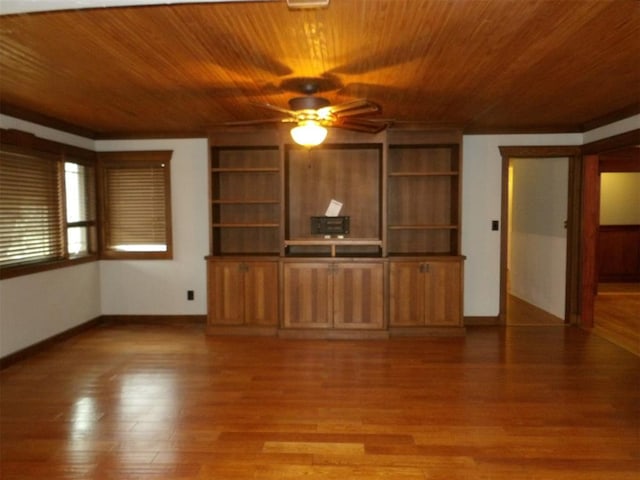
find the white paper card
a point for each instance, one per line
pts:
(333, 210)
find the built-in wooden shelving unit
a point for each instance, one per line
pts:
(401, 192)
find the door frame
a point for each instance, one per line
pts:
(574, 215)
(590, 215)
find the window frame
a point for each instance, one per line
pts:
(132, 159)
(23, 143)
(90, 197)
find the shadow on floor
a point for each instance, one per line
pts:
(520, 312)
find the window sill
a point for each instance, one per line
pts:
(117, 255)
(20, 270)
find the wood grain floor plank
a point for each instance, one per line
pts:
(167, 402)
(617, 318)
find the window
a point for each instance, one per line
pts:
(47, 217)
(79, 181)
(135, 205)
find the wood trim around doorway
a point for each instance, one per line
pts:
(593, 155)
(572, 295)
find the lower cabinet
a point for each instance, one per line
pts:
(339, 295)
(425, 293)
(335, 298)
(242, 293)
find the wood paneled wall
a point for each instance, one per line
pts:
(619, 253)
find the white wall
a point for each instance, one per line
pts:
(159, 287)
(36, 307)
(615, 128)
(481, 203)
(481, 197)
(45, 132)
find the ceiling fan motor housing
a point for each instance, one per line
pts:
(308, 103)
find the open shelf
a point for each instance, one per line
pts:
(423, 199)
(245, 200)
(422, 227)
(247, 239)
(348, 173)
(244, 170)
(334, 247)
(422, 174)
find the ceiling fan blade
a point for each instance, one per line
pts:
(233, 48)
(355, 107)
(359, 111)
(257, 122)
(368, 60)
(361, 124)
(359, 128)
(275, 108)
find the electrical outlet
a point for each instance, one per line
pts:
(190, 295)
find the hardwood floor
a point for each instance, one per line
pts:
(616, 314)
(520, 312)
(166, 402)
(619, 288)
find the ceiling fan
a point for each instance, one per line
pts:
(312, 114)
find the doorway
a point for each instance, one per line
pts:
(541, 269)
(594, 158)
(536, 240)
(616, 299)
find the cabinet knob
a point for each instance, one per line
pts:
(424, 268)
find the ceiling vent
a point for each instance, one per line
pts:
(297, 4)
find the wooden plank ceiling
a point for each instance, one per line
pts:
(483, 66)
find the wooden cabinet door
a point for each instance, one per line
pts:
(260, 293)
(226, 296)
(307, 298)
(358, 292)
(442, 293)
(406, 294)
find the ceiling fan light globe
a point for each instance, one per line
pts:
(308, 134)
